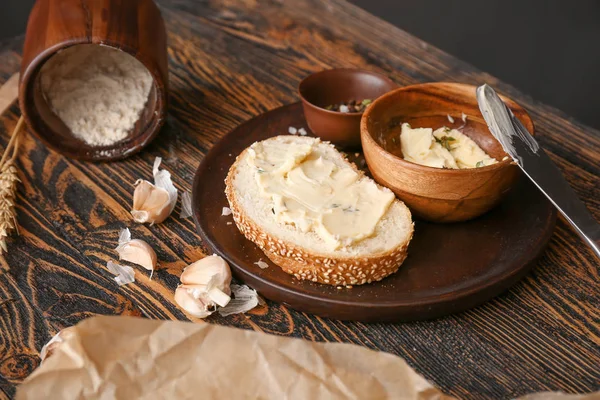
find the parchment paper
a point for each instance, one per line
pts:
(9, 92)
(133, 358)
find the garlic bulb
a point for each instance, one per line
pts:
(205, 285)
(154, 202)
(136, 251)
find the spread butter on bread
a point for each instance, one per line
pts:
(315, 214)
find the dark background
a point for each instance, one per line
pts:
(549, 49)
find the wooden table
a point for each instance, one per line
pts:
(235, 59)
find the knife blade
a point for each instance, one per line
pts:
(521, 146)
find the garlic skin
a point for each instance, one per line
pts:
(154, 202)
(124, 273)
(56, 341)
(261, 264)
(205, 285)
(226, 212)
(186, 205)
(245, 299)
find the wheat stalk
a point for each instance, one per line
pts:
(8, 187)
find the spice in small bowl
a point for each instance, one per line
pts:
(352, 106)
(337, 88)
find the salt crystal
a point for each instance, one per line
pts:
(226, 211)
(292, 130)
(302, 132)
(344, 109)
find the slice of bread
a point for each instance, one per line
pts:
(305, 254)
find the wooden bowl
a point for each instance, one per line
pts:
(436, 194)
(334, 86)
(132, 26)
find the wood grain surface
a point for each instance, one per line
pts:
(229, 61)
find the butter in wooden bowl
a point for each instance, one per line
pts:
(442, 148)
(429, 144)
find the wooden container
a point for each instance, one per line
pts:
(436, 194)
(333, 86)
(132, 26)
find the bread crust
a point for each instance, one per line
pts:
(306, 264)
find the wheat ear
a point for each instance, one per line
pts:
(8, 187)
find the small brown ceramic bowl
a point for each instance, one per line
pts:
(335, 86)
(436, 194)
(133, 26)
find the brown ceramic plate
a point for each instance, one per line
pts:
(450, 267)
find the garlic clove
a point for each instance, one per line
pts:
(150, 203)
(208, 296)
(154, 202)
(191, 305)
(211, 270)
(218, 296)
(138, 252)
(207, 283)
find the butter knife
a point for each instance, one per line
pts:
(535, 163)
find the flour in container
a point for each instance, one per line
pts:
(98, 92)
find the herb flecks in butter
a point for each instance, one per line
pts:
(445, 141)
(442, 148)
(317, 194)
